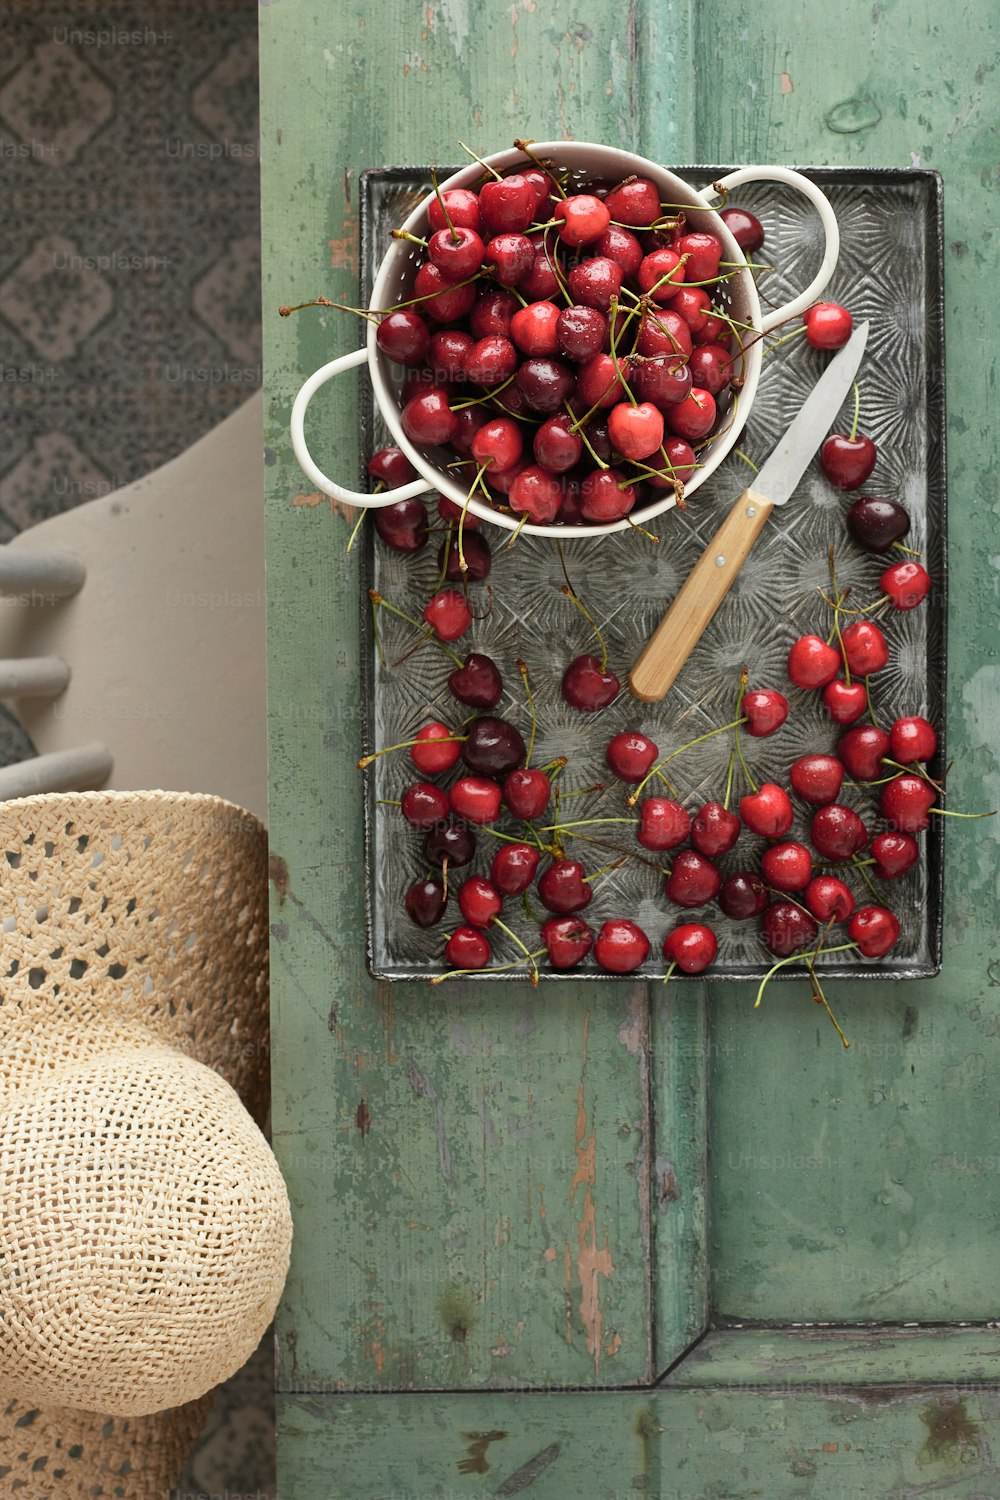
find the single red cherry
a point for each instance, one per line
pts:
(403, 336)
(664, 334)
(449, 511)
(467, 949)
(492, 746)
(630, 755)
(507, 203)
(448, 614)
(894, 854)
(905, 803)
(479, 901)
(568, 941)
(743, 895)
(555, 446)
(423, 805)
(452, 841)
(865, 648)
(492, 312)
(816, 778)
(677, 468)
(787, 867)
(714, 829)
(621, 946)
(562, 887)
(587, 686)
(847, 461)
(536, 494)
(845, 702)
(541, 281)
(636, 431)
(663, 823)
(745, 228)
(545, 383)
(694, 417)
(533, 328)
(403, 526)
(593, 282)
(694, 305)
(828, 898)
(442, 299)
(620, 245)
(477, 681)
(874, 930)
(861, 749)
(691, 946)
(605, 496)
(664, 382)
(766, 710)
(457, 252)
(711, 367)
(513, 866)
(582, 219)
(446, 358)
(837, 832)
(693, 879)
(491, 360)
(828, 325)
(787, 929)
(527, 792)
(581, 332)
(475, 798)
(907, 584)
(511, 256)
(703, 251)
(912, 739)
(425, 902)
(660, 274)
(812, 663)
(767, 811)
(461, 206)
(393, 468)
(635, 203)
(436, 749)
(498, 442)
(602, 380)
(428, 417)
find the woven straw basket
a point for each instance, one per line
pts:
(144, 1226)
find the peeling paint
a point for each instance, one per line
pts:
(593, 1260)
(787, 86)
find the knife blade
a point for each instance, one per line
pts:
(658, 665)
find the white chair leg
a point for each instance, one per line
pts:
(82, 769)
(33, 677)
(39, 577)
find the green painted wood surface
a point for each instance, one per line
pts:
(669, 1444)
(473, 1177)
(865, 1186)
(959, 1358)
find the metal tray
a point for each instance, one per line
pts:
(890, 271)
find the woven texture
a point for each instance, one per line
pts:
(59, 1454)
(144, 1226)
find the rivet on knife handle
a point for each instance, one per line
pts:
(683, 625)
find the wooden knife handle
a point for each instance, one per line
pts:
(683, 625)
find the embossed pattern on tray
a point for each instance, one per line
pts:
(890, 272)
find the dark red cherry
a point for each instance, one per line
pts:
(766, 710)
(403, 526)
(877, 523)
(581, 332)
(511, 255)
(442, 300)
(475, 798)
(568, 941)
(478, 558)
(594, 282)
(767, 811)
(491, 360)
(662, 381)
(393, 468)
(787, 866)
(714, 830)
(663, 823)
(874, 930)
(507, 203)
(828, 899)
(477, 681)
(861, 749)
(492, 746)
(630, 755)
(425, 902)
(452, 841)
(816, 778)
(545, 383)
(587, 686)
(743, 895)
(691, 946)
(711, 367)
(894, 854)
(837, 832)
(693, 879)
(556, 447)
(423, 805)
(403, 337)
(605, 496)
(467, 949)
(745, 228)
(479, 901)
(527, 792)
(787, 929)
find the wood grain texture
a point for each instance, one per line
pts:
(862, 1185)
(662, 658)
(853, 1443)
(472, 1172)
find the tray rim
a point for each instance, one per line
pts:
(932, 181)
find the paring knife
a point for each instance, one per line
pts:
(709, 580)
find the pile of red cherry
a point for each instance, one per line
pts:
(562, 340)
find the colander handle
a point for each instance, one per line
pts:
(305, 458)
(821, 203)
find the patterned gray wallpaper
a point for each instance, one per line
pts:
(129, 326)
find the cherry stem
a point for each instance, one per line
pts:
(517, 530)
(494, 390)
(414, 239)
(584, 791)
(570, 594)
(615, 334)
(507, 838)
(649, 535)
(524, 949)
(525, 147)
(354, 532)
(821, 999)
(426, 633)
(443, 573)
(605, 870)
(786, 338)
(522, 667)
(792, 959)
(837, 600)
(553, 264)
(916, 769)
(740, 454)
(631, 801)
(490, 969)
(479, 159)
(857, 408)
(737, 746)
(859, 865)
(585, 823)
(673, 966)
(947, 812)
(444, 739)
(378, 635)
(729, 778)
(441, 204)
(285, 312)
(910, 551)
(581, 433)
